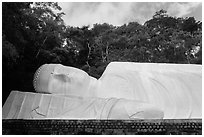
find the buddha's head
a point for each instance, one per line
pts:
(63, 80)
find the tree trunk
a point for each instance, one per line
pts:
(107, 53)
(89, 52)
(41, 47)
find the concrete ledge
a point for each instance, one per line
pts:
(103, 127)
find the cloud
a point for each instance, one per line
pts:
(79, 14)
(119, 13)
(182, 9)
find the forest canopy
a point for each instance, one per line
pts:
(33, 34)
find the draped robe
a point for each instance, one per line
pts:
(126, 90)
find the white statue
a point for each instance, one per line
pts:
(126, 90)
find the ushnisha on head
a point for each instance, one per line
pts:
(61, 80)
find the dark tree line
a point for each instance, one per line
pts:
(32, 35)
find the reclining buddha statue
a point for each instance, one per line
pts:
(126, 90)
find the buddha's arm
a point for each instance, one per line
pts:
(112, 108)
(130, 109)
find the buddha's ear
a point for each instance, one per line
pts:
(62, 77)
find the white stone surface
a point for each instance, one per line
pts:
(174, 88)
(27, 105)
(62, 80)
(126, 90)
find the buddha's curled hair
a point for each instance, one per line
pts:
(36, 78)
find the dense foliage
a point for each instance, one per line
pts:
(33, 34)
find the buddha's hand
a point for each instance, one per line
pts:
(130, 109)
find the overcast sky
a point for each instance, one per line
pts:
(119, 13)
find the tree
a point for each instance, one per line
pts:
(171, 38)
(29, 29)
(189, 24)
(160, 14)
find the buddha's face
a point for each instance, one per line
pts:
(59, 79)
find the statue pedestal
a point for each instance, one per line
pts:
(27, 105)
(30, 113)
(102, 127)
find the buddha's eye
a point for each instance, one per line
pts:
(62, 77)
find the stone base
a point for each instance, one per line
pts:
(102, 127)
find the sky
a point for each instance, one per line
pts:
(79, 14)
